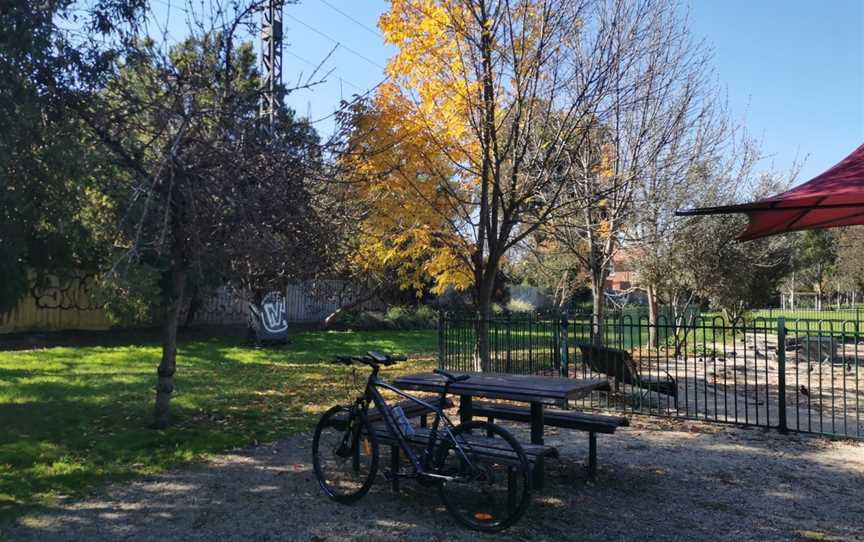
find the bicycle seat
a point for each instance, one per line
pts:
(451, 377)
(384, 359)
(380, 357)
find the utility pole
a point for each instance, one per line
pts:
(271, 61)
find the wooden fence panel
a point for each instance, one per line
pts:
(72, 305)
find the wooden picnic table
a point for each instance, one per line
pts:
(536, 390)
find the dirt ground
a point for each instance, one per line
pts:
(742, 383)
(659, 480)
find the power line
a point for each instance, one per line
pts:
(314, 65)
(363, 92)
(349, 17)
(356, 99)
(337, 42)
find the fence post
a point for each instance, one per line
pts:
(565, 347)
(554, 350)
(441, 339)
(781, 380)
(509, 345)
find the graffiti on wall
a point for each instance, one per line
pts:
(78, 293)
(56, 303)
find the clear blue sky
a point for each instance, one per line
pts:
(793, 69)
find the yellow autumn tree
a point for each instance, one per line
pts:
(405, 225)
(462, 148)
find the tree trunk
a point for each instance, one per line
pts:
(562, 291)
(168, 365)
(598, 325)
(818, 297)
(484, 273)
(195, 303)
(792, 294)
(484, 315)
(172, 302)
(653, 316)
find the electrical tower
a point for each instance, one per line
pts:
(271, 60)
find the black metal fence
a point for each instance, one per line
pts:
(801, 375)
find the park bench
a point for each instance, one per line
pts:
(618, 364)
(581, 421)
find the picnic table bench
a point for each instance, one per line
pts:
(480, 444)
(536, 390)
(568, 419)
(618, 364)
(420, 438)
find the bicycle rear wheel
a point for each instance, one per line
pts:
(490, 487)
(344, 454)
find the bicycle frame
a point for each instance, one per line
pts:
(421, 466)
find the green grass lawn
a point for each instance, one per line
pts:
(74, 417)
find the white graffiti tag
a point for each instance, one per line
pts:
(274, 314)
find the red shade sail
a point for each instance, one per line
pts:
(834, 198)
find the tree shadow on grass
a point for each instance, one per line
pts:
(304, 342)
(70, 423)
(147, 336)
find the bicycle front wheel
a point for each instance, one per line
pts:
(488, 487)
(344, 454)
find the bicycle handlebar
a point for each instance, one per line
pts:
(372, 358)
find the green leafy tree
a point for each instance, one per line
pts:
(736, 276)
(203, 195)
(46, 72)
(815, 260)
(849, 267)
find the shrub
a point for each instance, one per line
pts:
(400, 317)
(426, 317)
(405, 318)
(520, 305)
(376, 320)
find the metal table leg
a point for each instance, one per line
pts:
(394, 467)
(465, 410)
(537, 438)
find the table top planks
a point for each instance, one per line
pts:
(524, 388)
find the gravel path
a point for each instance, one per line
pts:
(659, 480)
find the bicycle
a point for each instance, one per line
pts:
(481, 471)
